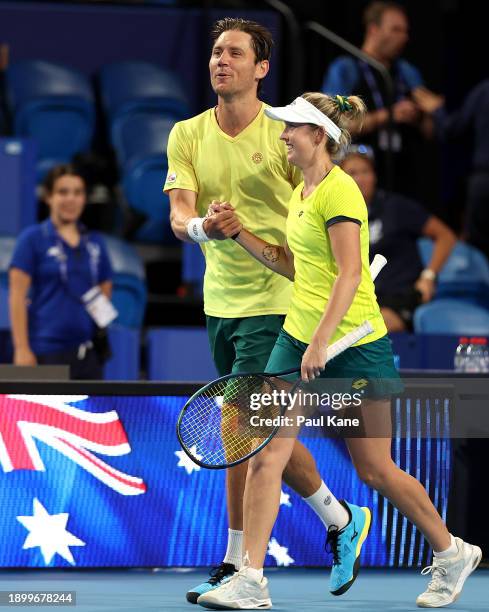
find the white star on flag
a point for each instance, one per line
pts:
(285, 499)
(49, 533)
(280, 553)
(185, 461)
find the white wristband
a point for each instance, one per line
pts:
(196, 231)
(429, 274)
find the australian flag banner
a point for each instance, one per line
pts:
(101, 481)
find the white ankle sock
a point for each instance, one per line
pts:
(327, 507)
(451, 551)
(234, 551)
(254, 574)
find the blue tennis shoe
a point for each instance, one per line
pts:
(219, 575)
(346, 545)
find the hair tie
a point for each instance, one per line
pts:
(343, 103)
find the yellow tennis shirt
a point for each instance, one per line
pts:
(335, 198)
(252, 172)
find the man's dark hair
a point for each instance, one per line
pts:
(375, 11)
(57, 172)
(261, 37)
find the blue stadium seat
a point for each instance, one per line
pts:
(193, 266)
(129, 292)
(126, 359)
(132, 86)
(450, 316)
(7, 246)
(425, 248)
(140, 142)
(143, 188)
(18, 175)
(54, 105)
(142, 102)
(4, 310)
(181, 354)
(465, 275)
(140, 135)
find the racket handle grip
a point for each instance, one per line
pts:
(377, 264)
(349, 339)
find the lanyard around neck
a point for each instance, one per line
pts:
(92, 249)
(374, 88)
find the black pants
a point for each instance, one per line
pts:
(403, 303)
(477, 213)
(88, 368)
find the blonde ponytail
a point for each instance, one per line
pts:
(348, 112)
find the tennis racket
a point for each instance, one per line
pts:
(214, 428)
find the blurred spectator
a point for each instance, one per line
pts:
(386, 35)
(395, 224)
(472, 119)
(54, 264)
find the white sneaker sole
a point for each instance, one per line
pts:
(240, 604)
(475, 559)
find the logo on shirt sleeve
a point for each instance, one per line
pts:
(172, 177)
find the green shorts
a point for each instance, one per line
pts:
(369, 367)
(243, 344)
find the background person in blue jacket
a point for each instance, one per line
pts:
(54, 264)
(386, 36)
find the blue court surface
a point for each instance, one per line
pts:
(298, 590)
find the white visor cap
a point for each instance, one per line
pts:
(302, 111)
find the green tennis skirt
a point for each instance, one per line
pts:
(368, 367)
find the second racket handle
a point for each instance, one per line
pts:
(377, 264)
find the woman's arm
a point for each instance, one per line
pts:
(444, 241)
(19, 283)
(345, 244)
(277, 258)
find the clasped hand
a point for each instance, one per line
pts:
(221, 221)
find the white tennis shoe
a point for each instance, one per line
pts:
(240, 592)
(448, 576)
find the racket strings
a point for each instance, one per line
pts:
(216, 427)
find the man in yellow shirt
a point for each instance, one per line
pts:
(233, 153)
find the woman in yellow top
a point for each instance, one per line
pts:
(327, 257)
